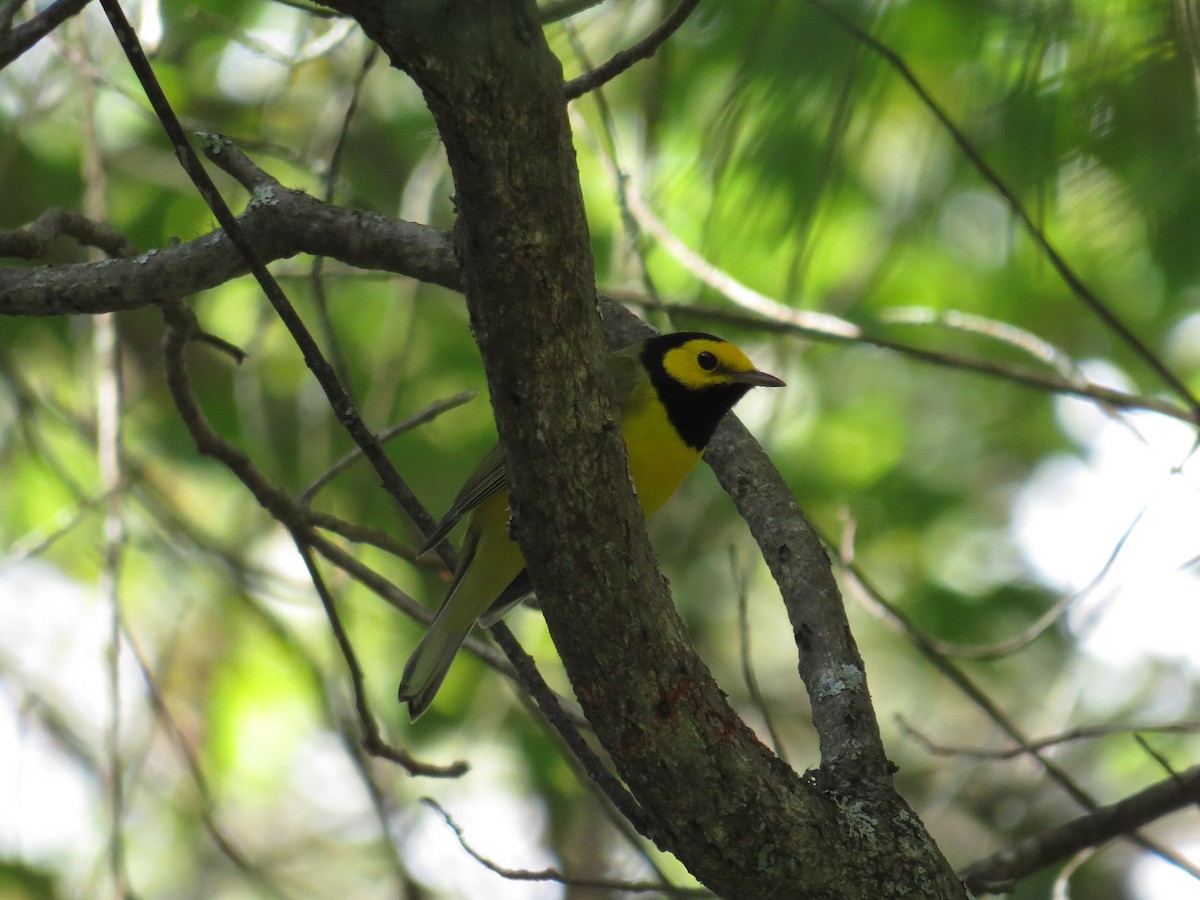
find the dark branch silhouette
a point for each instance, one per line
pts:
(1000, 872)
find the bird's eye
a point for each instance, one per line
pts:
(706, 361)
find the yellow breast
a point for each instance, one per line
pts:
(658, 459)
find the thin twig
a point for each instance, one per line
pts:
(643, 49)
(181, 324)
(1062, 882)
(1156, 755)
(106, 346)
(428, 414)
(382, 803)
(1042, 623)
(310, 9)
(1081, 291)
(1082, 733)
(874, 599)
(320, 299)
(207, 809)
(339, 400)
(741, 294)
(629, 887)
(373, 742)
(40, 540)
(608, 152)
(17, 40)
(564, 9)
(741, 577)
(8, 14)
(551, 708)
(842, 331)
(318, 44)
(1001, 871)
(1005, 332)
(364, 534)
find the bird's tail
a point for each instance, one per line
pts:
(429, 663)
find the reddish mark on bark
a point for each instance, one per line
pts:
(667, 706)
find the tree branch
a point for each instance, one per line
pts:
(607, 885)
(16, 41)
(280, 223)
(643, 49)
(33, 240)
(1000, 872)
(1070, 277)
(830, 664)
(181, 327)
(496, 94)
(339, 401)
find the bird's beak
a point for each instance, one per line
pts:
(755, 378)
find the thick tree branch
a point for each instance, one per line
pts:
(283, 223)
(530, 290)
(495, 92)
(280, 222)
(830, 664)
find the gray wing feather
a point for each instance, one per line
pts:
(490, 475)
(625, 369)
(486, 481)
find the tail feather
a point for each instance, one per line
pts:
(427, 667)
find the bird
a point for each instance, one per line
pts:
(673, 390)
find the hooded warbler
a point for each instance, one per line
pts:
(673, 391)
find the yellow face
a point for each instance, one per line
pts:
(702, 363)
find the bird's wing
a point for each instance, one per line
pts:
(490, 476)
(625, 369)
(488, 479)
